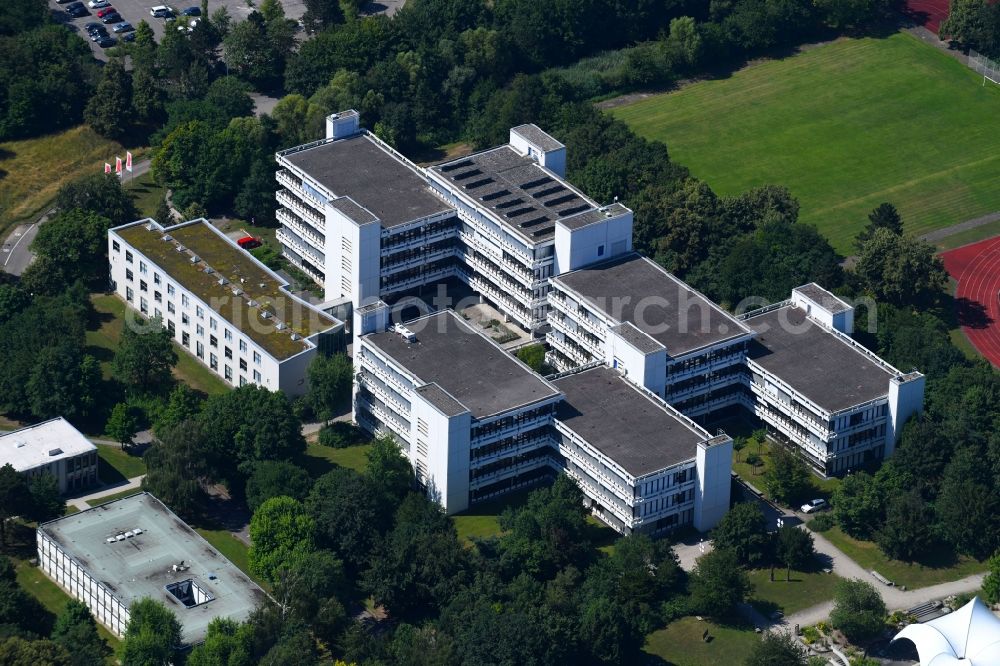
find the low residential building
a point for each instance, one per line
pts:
(476, 423)
(112, 555)
(370, 225)
(634, 316)
(818, 389)
(221, 305)
(52, 447)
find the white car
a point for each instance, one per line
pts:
(160, 11)
(813, 506)
(98, 4)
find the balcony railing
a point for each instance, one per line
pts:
(302, 248)
(307, 213)
(302, 230)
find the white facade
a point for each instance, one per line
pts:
(236, 317)
(52, 447)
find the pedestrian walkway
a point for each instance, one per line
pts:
(82, 504)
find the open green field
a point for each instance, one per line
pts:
(681, 643)
(755, 475)
(803, 590)
(844, 126)
(115, 465)
(319, 459)
(912, 575)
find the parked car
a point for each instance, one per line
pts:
(107, 10)
(112, 18)
(98, 35)
(161, 11)
(61, 2)
(128, 37)
(192, 11)
(91, 27)
(98, 4)
(812, 506)
(76, 9)
(248, 242)
(106, 41)
(123, 27)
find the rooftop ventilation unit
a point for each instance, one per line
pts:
(195, 259)
(252, 303)
(264, 314)
(137, 531)
(129, 534)
(262, 285)
(180, 248)
(209, 269)
(236, 291)
(406, 333)
(295, 336)
(150, 226)
(55, 452)
(223, 281)
(281, 326)
(21, 445)
(167, 237)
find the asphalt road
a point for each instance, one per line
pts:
(16, 255)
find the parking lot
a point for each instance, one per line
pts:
(134, 11)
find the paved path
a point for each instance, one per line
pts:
(81, 502)
(938, 234)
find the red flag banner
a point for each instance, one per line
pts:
(107, 168)
(128, 161)
(118, 166)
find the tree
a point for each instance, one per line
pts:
(321, 14)
(76, 241)
(226, 643)
(17, 651)
(685, 42)
(144, 358)
(151, 635)
(13, 498)
(389, 473)
(858, 610)
(230, 96)
(739, 443)
(280, 531)
(794, 548)
(148, 95)
(908, 531)
(122, 424)
(183, 404)
(174, 465)
(859, 505)
(76, 631)
(718, 584)
(100, 194)
(975, 24)
(308, 590)
(255, 199)
(109, 109)
(991, 583)
(787, 478)
(967, 505)
(45, 501)
(250, 53)
(346, 513)
(777, 648)
(900, 269)
(273, 478)
(330, 380)
(884, 216)
(743, 530)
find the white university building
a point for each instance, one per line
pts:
(52, 447)
(222, 306)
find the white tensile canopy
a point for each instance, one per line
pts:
(968, 637)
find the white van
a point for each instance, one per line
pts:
(161, 11)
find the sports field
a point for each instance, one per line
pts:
(976, 269)
(845, 126)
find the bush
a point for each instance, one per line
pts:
(822, 522)
(340, 435)
(858, 611)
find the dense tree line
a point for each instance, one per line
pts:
(974, 24)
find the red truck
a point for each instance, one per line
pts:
(249, 242)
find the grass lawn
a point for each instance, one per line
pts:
(969, 236)
(681, 643)
(804, 590)
(912, 575)
(34, 169)
(147, 194)
(114, 496)
(115, 465)
(102, 341)
(234, 549)
(822, 487)
(319, 459)
(51, 595)
(845, 126)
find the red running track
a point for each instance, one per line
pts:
(929, 13)
(976, 268)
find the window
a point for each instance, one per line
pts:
(600, 250)
(128, 274)
(199, 311)
(199, 329)
(157, 313)
(256, 358)
(229, 373)
(229, 352)
(170, 290)
(128, 294)
(128, 256)
(115, 246)
(170, 306)
(243, 345)
(143, 286)
(156, 278)
(229, 334)
(143, 306)
(213, 361)
(243, 364)
(184, 300)
(243, 380)
(200, 349)
(184, 319)
(142, 267)
(186, 339)
(256, 376)
(212, 324)
(170, 326)
(158, 297)
(214, 341)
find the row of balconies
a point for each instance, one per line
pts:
(508, 451)
(517, 428)
(391, 398)
(301, 229)
(567, 350)
(508, 472)
(294, 185)
(477, 220)
(419, 260)
(518, 271)
(595, 350)
(308, 213)
(611, 480)
(675, 395)
(488, 270)
(677, 372)
(512, 307)
(384, 416)
(288, 238)
(374, 365)
(390, 285)
(597, 494)
(804, 418)
(406, 242)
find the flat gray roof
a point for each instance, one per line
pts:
(626, 425)
(538, 137)
(359, 168)
(141, 566)
(822, 297)
(596, 215)
(526, 197)
(464, 364)
(42, 444)
(815, 362)
(634, 289)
